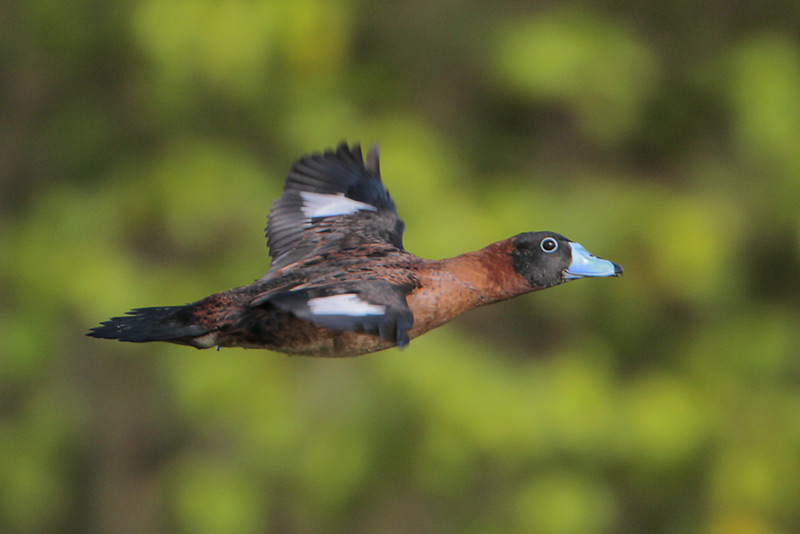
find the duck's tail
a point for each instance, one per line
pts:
(175, 324)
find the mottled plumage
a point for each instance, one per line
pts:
(341, 283)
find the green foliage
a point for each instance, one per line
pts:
(592, 64)
(144, 141)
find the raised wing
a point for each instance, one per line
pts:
(374, 307)
(332, 201)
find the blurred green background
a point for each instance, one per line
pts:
(143, 142)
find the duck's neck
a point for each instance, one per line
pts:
(489, 272)
(452, 286)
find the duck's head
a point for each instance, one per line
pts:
(547, 259)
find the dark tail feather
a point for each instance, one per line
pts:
(167, 323)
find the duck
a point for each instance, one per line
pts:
(341, 283)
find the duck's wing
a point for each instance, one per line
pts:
(332, 201)
(371, 306)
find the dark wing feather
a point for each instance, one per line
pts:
(293, 235)
(373, 307)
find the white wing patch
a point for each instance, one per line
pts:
(347, 304)
(322, 205)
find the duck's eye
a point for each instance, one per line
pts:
(549, 245)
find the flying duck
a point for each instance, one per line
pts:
(341, 282)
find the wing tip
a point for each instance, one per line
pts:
(373, 159)
(346, 151)
(351, 153)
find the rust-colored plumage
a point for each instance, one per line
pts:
(342, 284)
